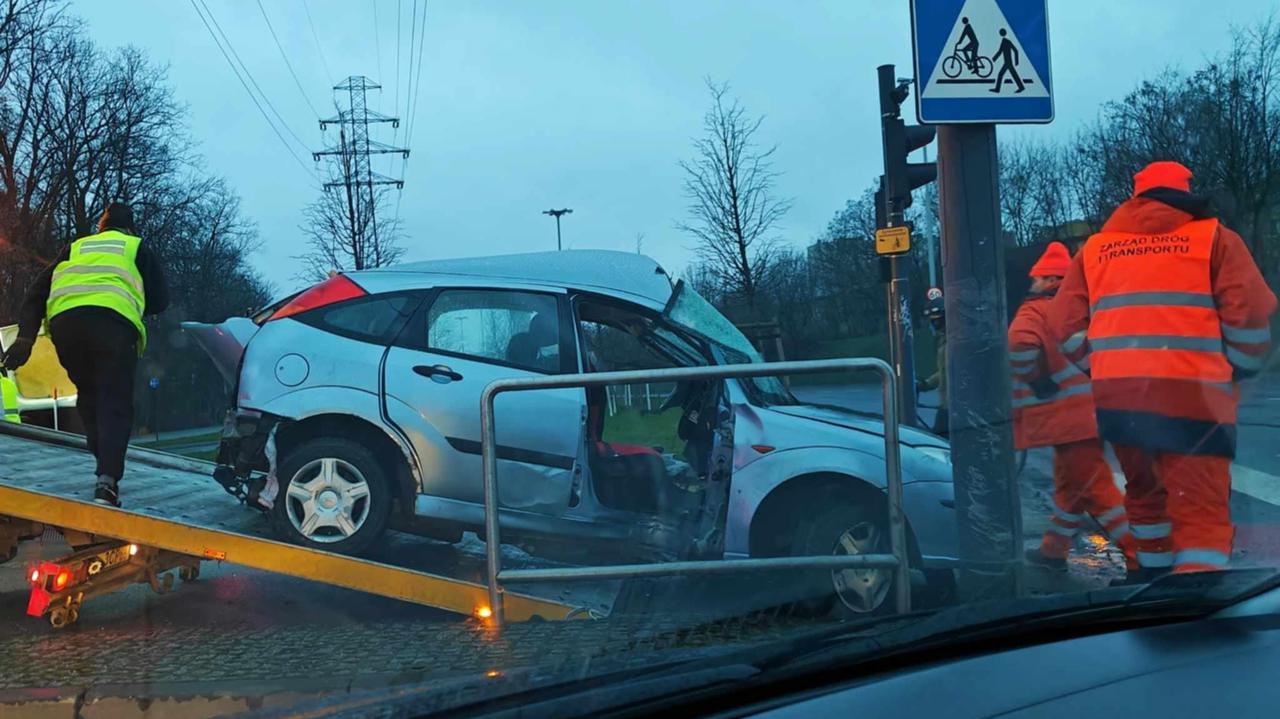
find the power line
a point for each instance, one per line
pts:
(395, 132)
(413, 32)
(256, 104)
(249, 75)
(377, 44)
(413, 112)
(287, 64)
(323, 63)
(398, 16)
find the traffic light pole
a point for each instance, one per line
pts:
(901, 334)
(899, 179)
(988, 510)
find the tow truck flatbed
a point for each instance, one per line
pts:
(173, 505)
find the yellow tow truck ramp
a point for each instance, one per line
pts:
(175, 517)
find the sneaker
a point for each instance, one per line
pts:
(106, 492)
(1040, 561)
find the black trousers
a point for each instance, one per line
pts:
(100, 354)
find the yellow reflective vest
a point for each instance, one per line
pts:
(101, 271)
(9, 400)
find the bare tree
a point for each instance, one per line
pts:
(345, 234)
(80, 127)
(730, 187)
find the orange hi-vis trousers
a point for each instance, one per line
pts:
(1179, 506)
(1082, 483)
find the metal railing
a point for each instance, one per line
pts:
(896, 560)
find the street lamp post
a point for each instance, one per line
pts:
(556, 214)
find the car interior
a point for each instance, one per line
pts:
(627, 471)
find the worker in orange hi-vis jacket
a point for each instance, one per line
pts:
(1053, 407)
(1168, 312)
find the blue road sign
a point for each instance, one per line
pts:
(154, 383)
(982, 61)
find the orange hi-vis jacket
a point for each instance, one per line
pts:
(1167, 310)
(1157, 324)
(1059, 415)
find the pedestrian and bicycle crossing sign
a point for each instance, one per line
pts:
(981, 61)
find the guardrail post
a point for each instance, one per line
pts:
(892, 456)
(492, 536)
(893, 491)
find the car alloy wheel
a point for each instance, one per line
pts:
(327, 500)
(861, 590)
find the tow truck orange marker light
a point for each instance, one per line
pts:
(484, 612)
(133, 550)
(763, 448)
(61, 580)
(492, 673)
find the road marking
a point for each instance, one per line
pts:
(1256, 483)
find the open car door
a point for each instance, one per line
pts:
(42, 382)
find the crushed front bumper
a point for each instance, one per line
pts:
(247, 457)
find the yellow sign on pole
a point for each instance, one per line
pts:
(892, 240)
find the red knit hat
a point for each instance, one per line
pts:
(1053, 263)
(1162, 174)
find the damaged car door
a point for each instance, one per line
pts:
(460, 341)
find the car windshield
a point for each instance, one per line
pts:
(370, 357)
(689, 310)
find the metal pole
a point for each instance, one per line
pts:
(902, 337)
(988, 511)
(667, 569)
(492, 535)
(931, 217)
(898, 287)
(893, 490)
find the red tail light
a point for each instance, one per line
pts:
(335, 289)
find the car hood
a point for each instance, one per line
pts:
(862, 422)
(224, 342)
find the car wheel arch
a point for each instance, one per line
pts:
(774, 520)
(385, 448)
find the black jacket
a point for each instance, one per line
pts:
(155, 293)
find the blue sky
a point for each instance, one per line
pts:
(590, 104)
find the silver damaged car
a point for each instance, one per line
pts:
(357, 403)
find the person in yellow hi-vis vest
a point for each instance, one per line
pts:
(8, 399)
(94, 297)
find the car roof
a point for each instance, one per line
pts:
(621, 274)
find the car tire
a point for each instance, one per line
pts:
(845, 527)
(334, 495)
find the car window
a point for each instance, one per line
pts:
(521, 329)
(614, 338)
(370, 319)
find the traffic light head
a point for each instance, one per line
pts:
(900, 140)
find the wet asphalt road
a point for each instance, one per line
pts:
(241, 623)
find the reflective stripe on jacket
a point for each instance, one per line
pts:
(1153, 317)
(1065, 416)
(9, 400)
(1151, 305)
(101, 271)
